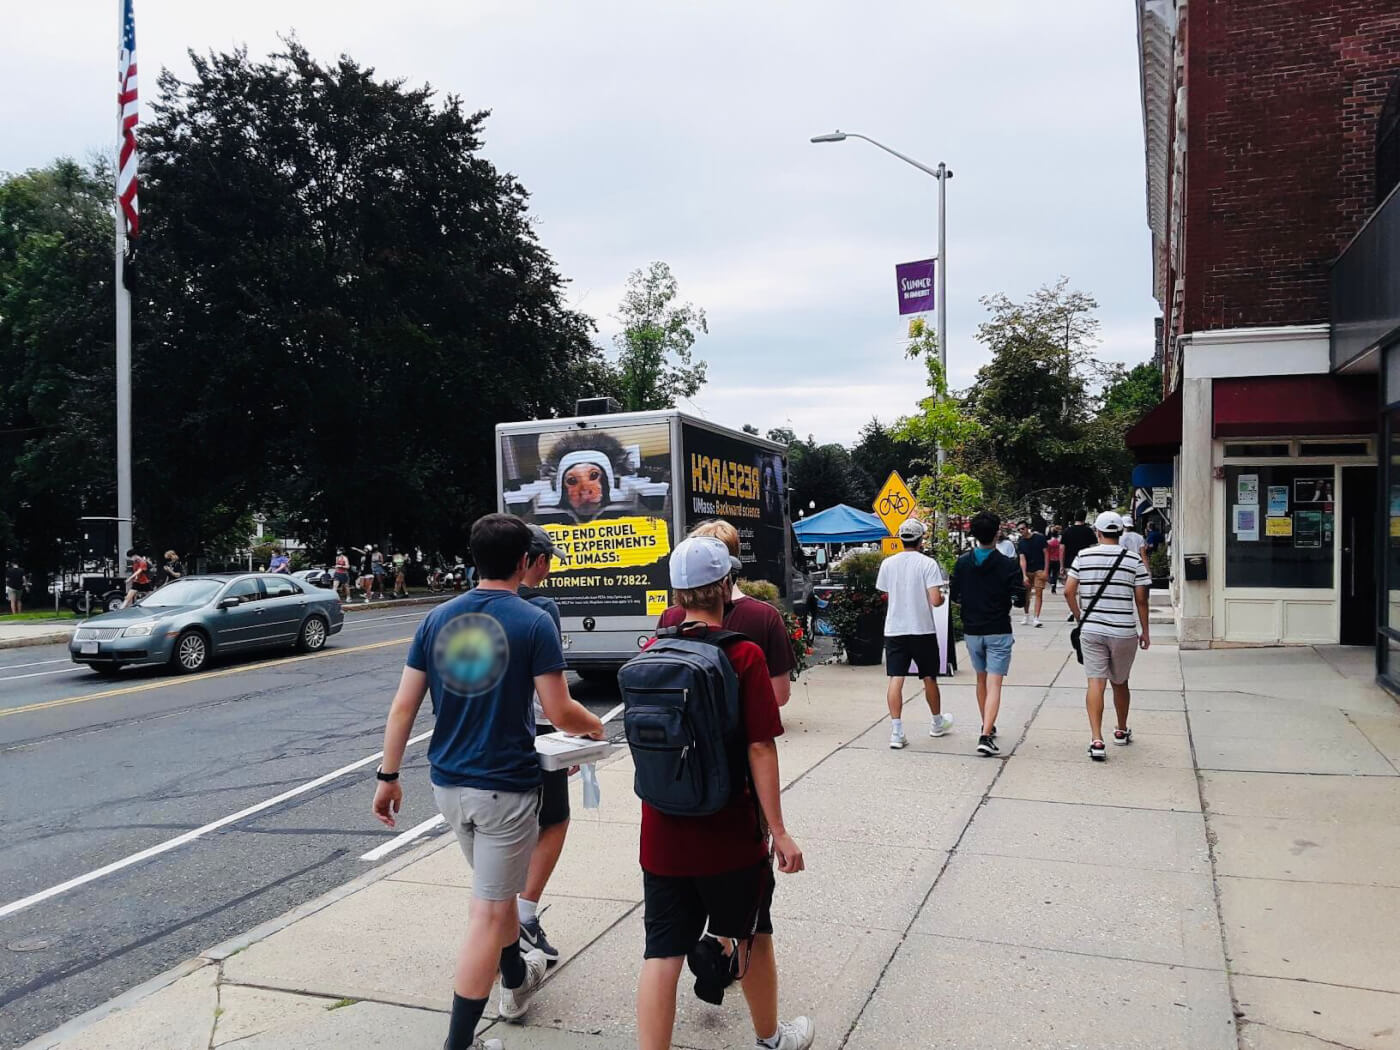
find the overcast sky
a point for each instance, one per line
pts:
(661, 129)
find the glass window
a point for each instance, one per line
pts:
(244, 590)
(280, 588)
(1281, 450)
(1391, 613)
(1334, 448)
(1280, 526)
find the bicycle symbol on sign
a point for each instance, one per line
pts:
(894, 503)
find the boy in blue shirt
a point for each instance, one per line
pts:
(483, 656)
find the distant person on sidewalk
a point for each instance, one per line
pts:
(717, 870)
(914, 584)
(400, 581)
(342, 576)
(1053, 549)
(984, 581)
(377, 571)
(173, 569)
(1154, 535)
(1112, 624)
(1006, 546)
(482, 656)
(554, 794)
(139, 582)
(14, 587)
(1130, 539)
(1075, 539)
(367, 571)
(756, 620)
(1031, 550)
(281, 562)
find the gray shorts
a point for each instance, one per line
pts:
(1107, 657)
(13, 594)
(497, 831)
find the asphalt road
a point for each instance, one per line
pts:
(94, 770)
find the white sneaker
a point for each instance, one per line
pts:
(1025, 621)
(796, 1034)
(897, 739)
(515, 1001)
(940, 725)
(1037, 622)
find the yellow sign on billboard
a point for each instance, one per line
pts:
(895, 503)
(891, 545)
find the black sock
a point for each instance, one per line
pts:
(466, 1015)
(512, 966)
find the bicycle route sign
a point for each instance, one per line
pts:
(894, 503)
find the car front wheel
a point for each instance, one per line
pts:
(191, 652)
(313, 635)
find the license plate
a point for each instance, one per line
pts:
(87, 647)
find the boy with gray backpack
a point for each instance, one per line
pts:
(701, 721)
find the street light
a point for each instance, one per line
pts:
(942, 173)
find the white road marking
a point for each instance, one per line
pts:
(36, 663)
(38, 674)
(190, 836)
(408, 836)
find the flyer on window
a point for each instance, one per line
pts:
(1247, 490)
(1278, 500)
(1246, 520)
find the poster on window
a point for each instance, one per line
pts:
(1278, 500)
(746, 485)
(1278, 527)
(1246, 521)
(1247, 490)
(1312, 490)
(604, 496)
(1307, 529)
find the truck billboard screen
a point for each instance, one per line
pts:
(729, 478)
(604, 495)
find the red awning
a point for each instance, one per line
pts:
(1290, 406)
(1157, 435)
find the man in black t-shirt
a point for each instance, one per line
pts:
(1076, 538)
(14, 587)
(1032, 555)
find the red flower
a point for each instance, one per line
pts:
(797, 633)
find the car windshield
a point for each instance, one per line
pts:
(181, 592)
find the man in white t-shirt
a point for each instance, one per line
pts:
(1110, 584)
(914, 584)
(1133, 541)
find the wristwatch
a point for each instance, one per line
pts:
(389, 778)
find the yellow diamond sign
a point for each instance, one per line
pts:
(895, 503)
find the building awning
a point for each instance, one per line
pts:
(1152, 476)
(1279, 406)
(1157, 436)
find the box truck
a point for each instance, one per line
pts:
(617, 492)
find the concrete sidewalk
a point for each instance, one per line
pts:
(22, 635)
(1232, 879)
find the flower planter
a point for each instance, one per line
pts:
(867, 647)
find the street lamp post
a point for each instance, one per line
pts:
(942, 173)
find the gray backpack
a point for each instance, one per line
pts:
(683, 722)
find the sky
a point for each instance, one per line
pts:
(679, 131)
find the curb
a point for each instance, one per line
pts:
(36, 639)
(219, 952)
(396, 603)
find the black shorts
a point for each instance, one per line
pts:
(921, 649)
(736, 904)
(554, 797)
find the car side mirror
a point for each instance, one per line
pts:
(230, 602)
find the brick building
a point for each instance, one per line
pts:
(1272, 131)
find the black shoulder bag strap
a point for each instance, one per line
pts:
(1089, 609)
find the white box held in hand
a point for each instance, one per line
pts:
(557, 751)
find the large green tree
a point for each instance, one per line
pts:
(337, 299)
(656, 363)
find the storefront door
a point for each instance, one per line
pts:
(1358, 532)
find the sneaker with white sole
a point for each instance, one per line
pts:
(1122, 736)
(515, 1001)
(987, 746)
(1097, 751)
(1037, 622)
(532, 937)
(483, 1044)
(796, 1034)
(1025, 621)
(897, 739)
(940, 725)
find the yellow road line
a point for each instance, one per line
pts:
(47, 704)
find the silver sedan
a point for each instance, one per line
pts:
(187, 623)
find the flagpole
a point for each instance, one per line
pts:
(123, 312)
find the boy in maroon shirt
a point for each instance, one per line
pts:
(717, 869)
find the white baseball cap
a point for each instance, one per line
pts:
(912, 529)
(1127, 522)
(1109, 523)
(698, 561)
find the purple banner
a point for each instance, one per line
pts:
(915, 281)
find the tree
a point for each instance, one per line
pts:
(338, 299)
(783, 435)
(655, 364)
(749, 428)
(880, 450)
(1036, 448)
(820, 475)
(1128, 396)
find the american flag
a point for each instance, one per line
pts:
(126, 116)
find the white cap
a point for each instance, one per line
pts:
(698, 561)
(1109, 523)
(1127, 521)
(912, 529)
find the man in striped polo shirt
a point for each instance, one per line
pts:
(1114, 584)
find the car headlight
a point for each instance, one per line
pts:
(139, 630)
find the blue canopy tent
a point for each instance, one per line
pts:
(840, 524)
